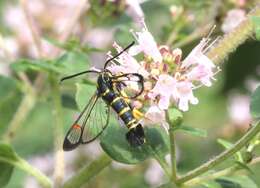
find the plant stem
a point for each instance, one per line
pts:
(41, 178)
(20, 115)
(215, 175)
(164, 166)
(58, 132)
(24, 165)
(173, 124)
(88, 172)
(233, 39)
(159, 159)
(221, 157)
(173, 155)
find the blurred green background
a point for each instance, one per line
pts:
(222, 110)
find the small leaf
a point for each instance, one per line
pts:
(114, 143)
(11, 159)
(168, 185)
(10, 96)
(7, 159)
(192, 131)
(73, 62)
(83, 94)
(36, 65)
(228, 145)
(256, 22)
(225, 183)
(73, 45)
(236, 182)
(255, 103)
(5, 173)
(244, 166)
(225, 143)
(211, 184)
(6, 152)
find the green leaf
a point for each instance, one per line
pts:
(226, 144)
(168, 185)
(7, 158)
(73, 62)
(7, 153)
(83, 94)
(225, 183)
(73, 45)
(5, 173)
(244, 166)
(256, 22)
(11, 159)
(255, 103)
(211, 184)
(192, 131)
(36, 65)
(114, 143)
(10, 96)
(236, 182)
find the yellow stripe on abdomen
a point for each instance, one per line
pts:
(115, 100)
(106, 92)
(124, 110)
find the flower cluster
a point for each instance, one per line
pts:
(168, 79)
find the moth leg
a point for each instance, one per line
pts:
(137, 114)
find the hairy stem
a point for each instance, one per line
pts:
(58, 132)
(173, 155)
(176, 121)
(88, 172)
(233, 39)
(212, 176)
(223, 156)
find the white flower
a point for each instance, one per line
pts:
(126, 64)
(171, 81)
(185, 95)
(201, 73)
(155, 115)
(146, 44)
(199, 67)
(165, 87)
(168, 88)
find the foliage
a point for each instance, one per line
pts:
(36, 109)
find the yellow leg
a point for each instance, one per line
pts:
(137, 114)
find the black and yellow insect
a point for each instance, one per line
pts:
(91, 122)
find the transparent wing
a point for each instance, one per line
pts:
(89, 125)
(129, 85)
